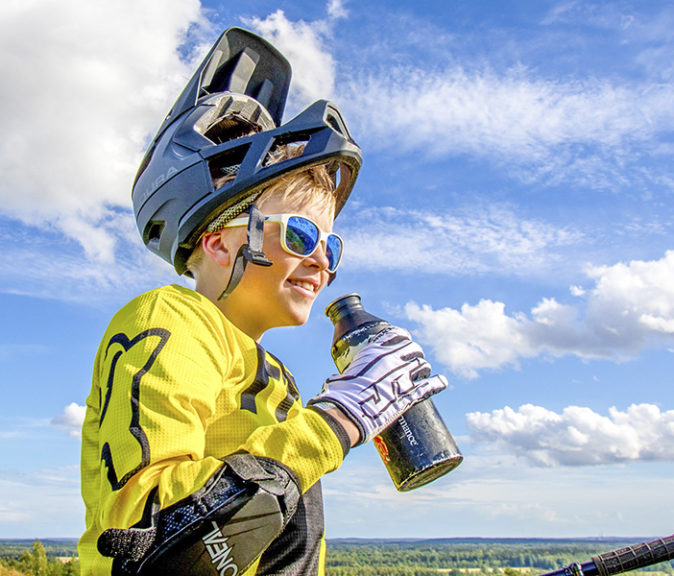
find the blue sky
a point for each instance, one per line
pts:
(513, 211)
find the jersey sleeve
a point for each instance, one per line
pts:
(306, 443)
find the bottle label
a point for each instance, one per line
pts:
(405, 427)
(381, 447)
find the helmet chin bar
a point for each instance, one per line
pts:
(250, 252)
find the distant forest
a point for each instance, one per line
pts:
(451, 557)
(468, 557)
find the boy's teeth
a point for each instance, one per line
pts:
(306, 285)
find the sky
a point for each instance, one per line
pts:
(514, 212)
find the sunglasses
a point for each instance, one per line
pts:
(301, 237)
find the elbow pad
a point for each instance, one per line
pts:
(219, 530)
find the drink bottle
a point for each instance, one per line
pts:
(417, 448)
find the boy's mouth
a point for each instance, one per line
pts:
(309, 286)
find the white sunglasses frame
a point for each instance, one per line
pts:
(283, 220)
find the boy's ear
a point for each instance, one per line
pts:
(216, 246)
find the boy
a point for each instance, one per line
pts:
(198, 456)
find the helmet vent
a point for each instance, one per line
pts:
(224, 167)
(285, 149)
(153, 230)
(230, 129)
(335, 124)
(336, 173)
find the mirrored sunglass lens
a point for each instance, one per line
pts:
(301, 235)
(333, 251)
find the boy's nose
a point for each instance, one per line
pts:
(320, 256)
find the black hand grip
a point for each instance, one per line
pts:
(633, 557)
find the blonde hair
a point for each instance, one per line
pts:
(313, 185)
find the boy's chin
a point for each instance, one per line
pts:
(299, 316)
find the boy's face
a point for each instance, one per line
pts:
(281, 294)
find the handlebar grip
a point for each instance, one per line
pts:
(633, 557)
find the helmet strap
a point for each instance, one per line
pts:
(250, 252)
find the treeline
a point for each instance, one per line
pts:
(16, 560)
(470, 557)
(53, 546)
(465, 558)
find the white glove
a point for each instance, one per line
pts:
(386, 377)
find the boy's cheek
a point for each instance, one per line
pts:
(325, 281)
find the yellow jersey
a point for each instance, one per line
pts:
(176, 387)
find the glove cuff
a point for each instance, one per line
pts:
(322, 407)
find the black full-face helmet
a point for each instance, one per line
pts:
(227, 122)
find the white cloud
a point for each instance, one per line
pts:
(473, 338)
(485, 238)
(58, 269)
(305, 45)
(71, 419)
(578, 436)
(636, 295)
(89, 83)
(336, 9)
(588, 130)
(630, 307)
(509, 113)
(613, 17)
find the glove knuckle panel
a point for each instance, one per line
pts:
(386, 377)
